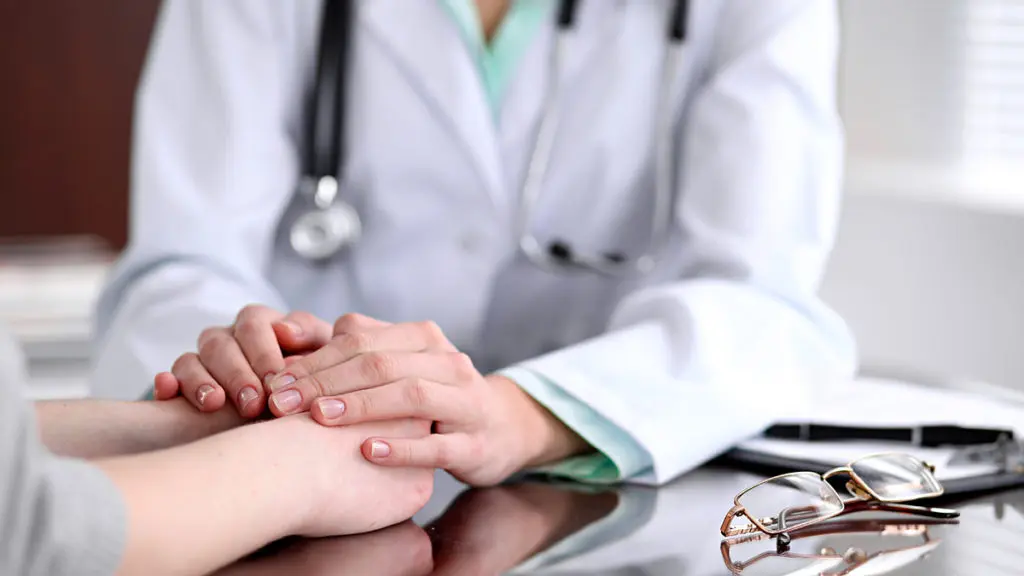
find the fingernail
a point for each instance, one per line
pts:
(204, 391)
(295, 328)
(281, 382)
(247, 395)
(286, 400)
(268, 377)
(379, 449)
(331, 408)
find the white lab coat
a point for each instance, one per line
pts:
(713, 346)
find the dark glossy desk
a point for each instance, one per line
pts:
(534, 528)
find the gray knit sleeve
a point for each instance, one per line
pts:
(57, 516)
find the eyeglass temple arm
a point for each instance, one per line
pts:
(792, 514)
(851, 506)
(881, 526)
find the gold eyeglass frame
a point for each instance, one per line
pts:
(865, 498)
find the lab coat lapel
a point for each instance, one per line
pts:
(597, 24)
(425, 43)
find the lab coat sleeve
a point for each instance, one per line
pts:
(619, 455)
(694, 365)
(214, 165)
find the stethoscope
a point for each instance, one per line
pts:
(332, 224)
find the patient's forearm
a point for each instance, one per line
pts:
(102, 428)
(194, 508)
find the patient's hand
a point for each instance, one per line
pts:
(197, 506)
(340, 491)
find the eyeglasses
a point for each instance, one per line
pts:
(855, 560)
(789, 502)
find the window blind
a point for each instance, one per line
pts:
(994, 90)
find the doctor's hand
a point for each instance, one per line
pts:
(486, 427)
(234, 361)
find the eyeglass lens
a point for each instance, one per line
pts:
(897, 477)
(791, 501)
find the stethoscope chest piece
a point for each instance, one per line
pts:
(322, 232)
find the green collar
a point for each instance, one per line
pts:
(497, 62)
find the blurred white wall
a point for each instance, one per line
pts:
(932, 287)
(902, 80)
(928, 269)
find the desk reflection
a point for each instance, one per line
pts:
(837, 548)
(491, 531)
(545, 528)
(484, 531)
(402, 550)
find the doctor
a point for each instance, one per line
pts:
(619, 210)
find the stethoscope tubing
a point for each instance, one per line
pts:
(319, 234)
(663, 209)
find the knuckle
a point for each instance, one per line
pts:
(208, 334)
(350, 322)
(432, 332)
(417, 393)
(302, 368)
(213, 345)
(407, 453)
(251, 326)
(314, 362)
(184, 362)
(443, 455)
(318, 361)
(463, 367)
(353, 342)
(359, 405)
(377, 367)
(301, 316)
(320, 384)
(249, 312)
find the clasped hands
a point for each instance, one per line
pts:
(485, 428)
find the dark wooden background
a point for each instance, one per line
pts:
(68, 70)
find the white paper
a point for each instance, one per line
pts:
(842, 453)
(882, 403)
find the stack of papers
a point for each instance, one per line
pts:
(887, 403)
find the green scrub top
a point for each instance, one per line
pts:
(497, 61)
